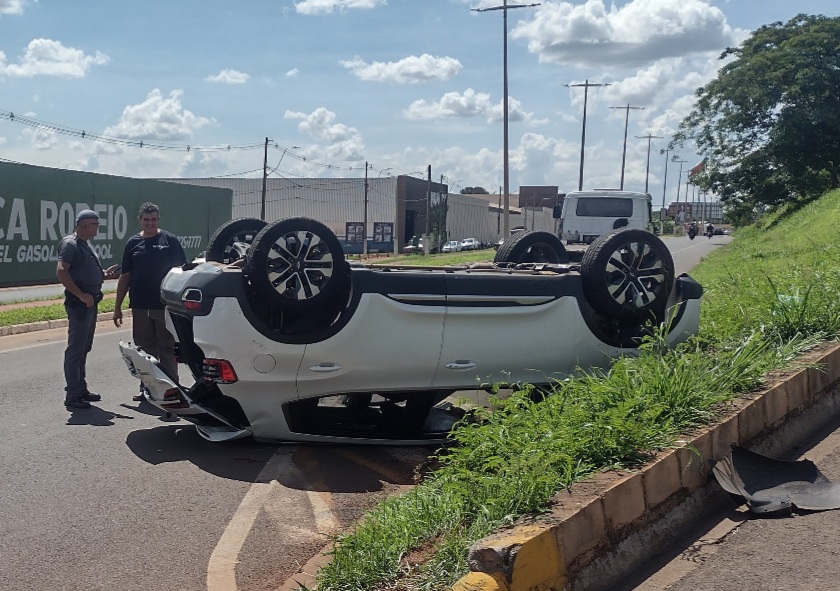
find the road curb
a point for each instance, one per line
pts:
(609, 524)
(47, 324)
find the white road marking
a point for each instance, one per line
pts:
(263, 495)
(221, 571)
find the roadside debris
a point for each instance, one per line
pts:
(775, 486)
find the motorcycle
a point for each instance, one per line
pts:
(692, 232)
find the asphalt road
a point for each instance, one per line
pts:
(118, 497)
(733, 550)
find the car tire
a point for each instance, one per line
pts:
(532, 247)
(628, 274)
(230, 241)
(297, 264)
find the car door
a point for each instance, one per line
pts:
(507, 328)
(392, 342)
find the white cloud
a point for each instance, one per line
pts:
(12, 6)
(292, 73)
(329, 6)
(46, 57)
(40, 138)
(589, 35)
(157, 119)
(228, 76)
(468, 104)
(411, 69)
(342, 142)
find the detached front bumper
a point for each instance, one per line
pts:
(186, 403)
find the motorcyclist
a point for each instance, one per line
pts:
(710, 230)
(692, 231)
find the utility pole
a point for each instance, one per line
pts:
(624, 151)
(504, 8)
(427, 239)
(265, 180)
(265, 173)
(364, 221)
(665, 151)
(586, 86)
(679, 178)
(648, 137)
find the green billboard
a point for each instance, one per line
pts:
(38, 207)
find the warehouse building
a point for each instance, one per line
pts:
(389, 211)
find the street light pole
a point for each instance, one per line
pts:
(504, 8)
(586, 86)
(648, 137)
(624, 150)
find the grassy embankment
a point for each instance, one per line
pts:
(770, 295)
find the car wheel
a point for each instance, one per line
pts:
(532, 247)
(232, 239)
(628, 274)
(297, 264)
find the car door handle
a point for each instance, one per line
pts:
(325, 367)
(461, 364)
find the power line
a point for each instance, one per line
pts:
(82, 134)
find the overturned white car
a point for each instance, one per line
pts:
(288, 341)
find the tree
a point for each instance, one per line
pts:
(474, 191)
(768, 126)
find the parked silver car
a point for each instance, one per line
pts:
(470, 244)
(293, 343)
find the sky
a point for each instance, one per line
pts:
(192, 88)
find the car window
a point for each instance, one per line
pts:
(604, 207)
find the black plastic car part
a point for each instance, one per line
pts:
(628, 274)
(230, 242)
(532, 247)
(297, 264)
(386, 415)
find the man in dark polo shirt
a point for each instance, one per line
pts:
(81, 274)
(148, 257)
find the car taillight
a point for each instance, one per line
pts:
(218, 370)
(171, 394)
(191, 299)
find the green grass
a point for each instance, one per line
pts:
(437, 260)
(47, 312)
(770, 295)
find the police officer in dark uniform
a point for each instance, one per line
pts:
(81, 274)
